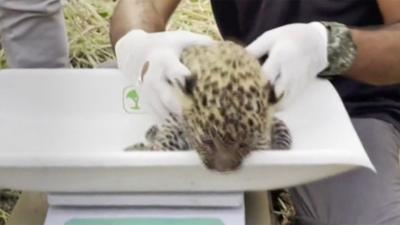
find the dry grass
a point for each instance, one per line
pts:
(88, 27)
(7, 201)
(195, 16)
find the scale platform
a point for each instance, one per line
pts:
(64, 132)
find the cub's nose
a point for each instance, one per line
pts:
(223, 167)
(227, 168)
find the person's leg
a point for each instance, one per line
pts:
(33, 33)
(359, 197)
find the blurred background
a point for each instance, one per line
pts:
(88, 25)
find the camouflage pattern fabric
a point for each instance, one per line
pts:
(341, 49)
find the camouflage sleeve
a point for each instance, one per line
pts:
(341, 49)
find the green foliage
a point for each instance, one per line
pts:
(3, 63)
(3, 216)
(8, 198)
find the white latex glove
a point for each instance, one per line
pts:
(151, 60)
(296, 54)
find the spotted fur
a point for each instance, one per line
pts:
(169, 136)
(227, 108)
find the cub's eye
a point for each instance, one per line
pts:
(208, 142)
(242, 145)
(208, 145)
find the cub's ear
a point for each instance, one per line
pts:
(272, 98)
(189, 85)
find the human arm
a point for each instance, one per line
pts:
(298, 52)
(148, 15)
(148, 55)
(377, 60)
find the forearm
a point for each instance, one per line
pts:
(377, 59)
(148, 15)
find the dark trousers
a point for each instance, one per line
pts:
(33, 33)
(358, 197)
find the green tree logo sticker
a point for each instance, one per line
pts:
(134, 96)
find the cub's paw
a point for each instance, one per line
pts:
(281, 137)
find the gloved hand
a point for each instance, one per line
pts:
(296, 54)
(152, 61)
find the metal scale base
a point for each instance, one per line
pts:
(146, 209)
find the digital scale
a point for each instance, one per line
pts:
(63, 132)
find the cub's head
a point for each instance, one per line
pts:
(227, 103)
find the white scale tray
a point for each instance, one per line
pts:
(65, 130)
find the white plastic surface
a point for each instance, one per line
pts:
(65, 131)
(144, 199)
